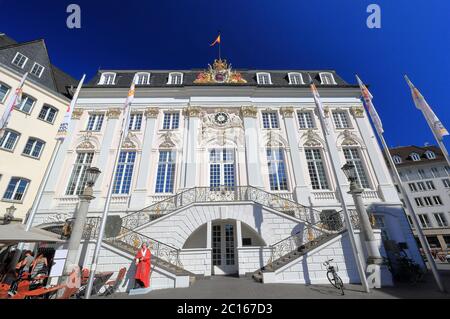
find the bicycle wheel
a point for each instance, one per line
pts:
(334, 280)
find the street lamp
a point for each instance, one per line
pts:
(366, 228)
(9, 215)
(92, 174)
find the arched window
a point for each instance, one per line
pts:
(415, 157)
(316, 169)
(327, 78)
(397, 159)
(142, 78)
(107, 78)
(430, 155)
(263, 78)
(221, 169)
(175, 78)
(295, 78)
(77, 181)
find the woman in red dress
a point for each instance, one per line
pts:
(143, 259)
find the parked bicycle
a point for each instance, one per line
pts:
(333, 277)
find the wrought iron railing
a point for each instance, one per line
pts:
(219, 194)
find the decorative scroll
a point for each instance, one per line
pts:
(219, 72)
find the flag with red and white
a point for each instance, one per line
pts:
(127, 107)
(319, 106)
(13, 101)
(367, 97)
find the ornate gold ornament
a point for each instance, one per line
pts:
(357, 111)
(77, 113)
(249, 111)
(326, 111)
(151, 112)
(192, 111)
(287, 111)
(219, 72)
(113, 113)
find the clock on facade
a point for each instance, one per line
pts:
(221, 118)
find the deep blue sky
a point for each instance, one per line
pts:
(281, 34)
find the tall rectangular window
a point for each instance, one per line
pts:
(16, 189)
(4, 90)
(34, 147)
(352, 156)
(277, 169)
(412, 187)
(419, 202)
(124, 173)
(316, 169)
(446, 182)
(166, 172)
(427, 200)
(421, 186)
(430, 185)
(135, 122)
(95, 122)
(424, 221)
(437, 200)
(26, 104)
(440, 219)
(48, 113)
(9, 139)
(270, 120)
(305, 119)
(340, 119)
(221, 169)
(77, 181)
(171, 121)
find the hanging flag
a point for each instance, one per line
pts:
(64, 126)
(434, 122)
(127, 107)
(216, 41)
(14, 100)
(367, 99)
(320, 108)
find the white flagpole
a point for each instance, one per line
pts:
(357, 254)
(405, 196)
(101, 234)
(11, 103)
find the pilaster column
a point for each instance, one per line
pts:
(106, 153)
(55, 174)
(252, 158)
(301, 190)
(192, 122)
(138, 196)
(386, 186)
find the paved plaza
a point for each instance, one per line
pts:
(221, 287)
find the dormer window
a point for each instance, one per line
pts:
(175, 78)
(142, 78)
(20, 60)
(264, 78)
(107, 78)
(327, 78)
(430, 155)
(397, 159)
(37, 69)
(415, 157)
(295, 79)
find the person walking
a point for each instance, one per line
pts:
(143, 262)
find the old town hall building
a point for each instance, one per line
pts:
(223, 172)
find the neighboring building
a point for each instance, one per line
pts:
(29, 140)
(425, 176)
(222, 172)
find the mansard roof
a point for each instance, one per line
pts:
(404, 152)
(36, 51)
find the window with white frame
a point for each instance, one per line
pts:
(221, 169)
(95, 122)
(397, 159)
(352, 156)
(316, 169)
(327, 78)
(48, 113)
(306, 119)
(166, 172)
(77, 181)
(20, 60)
(427, 200)
(16, 189)
(37, 69)
(440, 219)
(135, 122)
(437, 200)
(430, 155)
(421, 186)
(4, 90)
(419, 202)
(124, 173)
(26, 104)
(34, 147)
(435, 172)
(175, 78)
(446, 182)
(430, 185)
(263, 78)
(270, 120)
(295, 79)
(9, 140)
(107, 78)
(142, 78)
(424, 221)
(277, 169)
(171, 120)
(415, 157)
(340, 119)
(412, 187)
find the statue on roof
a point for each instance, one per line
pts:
(219, 72)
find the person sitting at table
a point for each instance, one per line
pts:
(24, 266)
(143, 261)
(39, 271)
